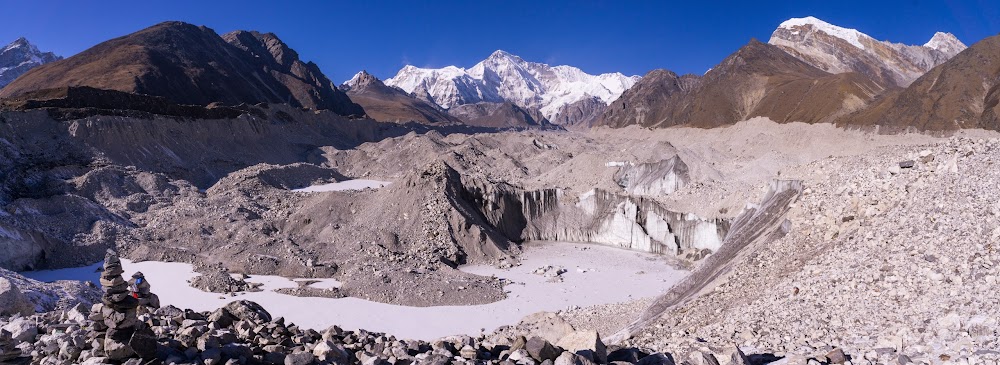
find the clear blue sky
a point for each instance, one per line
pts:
(633, 37)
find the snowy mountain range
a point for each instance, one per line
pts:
(20, 56)
(836, 49)
(504, 77)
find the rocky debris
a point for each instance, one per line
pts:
(8, 347)
(862, 290)
(243, 332)
(12, 301)
(219, 280)
(553, 273)
(21, 328)
(44, 297)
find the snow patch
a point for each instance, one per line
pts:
(357, 184)
(852, 36)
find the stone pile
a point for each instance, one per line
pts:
(243, 332)
(141, 290)
(116, 326)
(8, 347)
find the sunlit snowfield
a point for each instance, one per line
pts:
(594, 275)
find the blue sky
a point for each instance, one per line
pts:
(633, 37)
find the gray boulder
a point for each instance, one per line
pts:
(13, 301)
(587, 344)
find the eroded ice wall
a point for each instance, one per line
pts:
(597, 216)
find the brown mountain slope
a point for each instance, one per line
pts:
(963, 92)
(388, 104)
(188, 64)
(757, 80)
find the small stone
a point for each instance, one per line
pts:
(836, 356)
(907, 164)
(299, 358)
(468, 352)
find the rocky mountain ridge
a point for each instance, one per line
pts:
(188, 64)
(20, 56)
(837, 50)
(504, 77)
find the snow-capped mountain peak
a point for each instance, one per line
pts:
(852, 36)
(20, 56)
(837, 49)
(505, 77)
(946, 42)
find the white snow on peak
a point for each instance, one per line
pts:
(946, 42)
(354, 80)
(18, 57)
(506, 77)
(852, 36)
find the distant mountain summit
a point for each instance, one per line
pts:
(504, 77)
(837, 50)
(20, 56)
(389, 104)
(188, 64)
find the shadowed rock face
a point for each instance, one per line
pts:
(187, 64)
(498, 115)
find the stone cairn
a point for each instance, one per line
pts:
(140, 290)
(8, 351)
(117, 327)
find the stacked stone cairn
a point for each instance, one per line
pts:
(140, 290)
(8, 349)
(118, 331)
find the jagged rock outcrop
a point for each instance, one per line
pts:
(963, 92)
(757, 80)
(580, 114)
(837, 50)
(187, 64)
(20, 56)
(654, 178)
(390, 104)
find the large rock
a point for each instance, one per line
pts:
(546, 325)
(569, 358)
(13, 301)
(248, 311)
(587, 344)
(541, 350)
(658, 358)
(22, 329)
